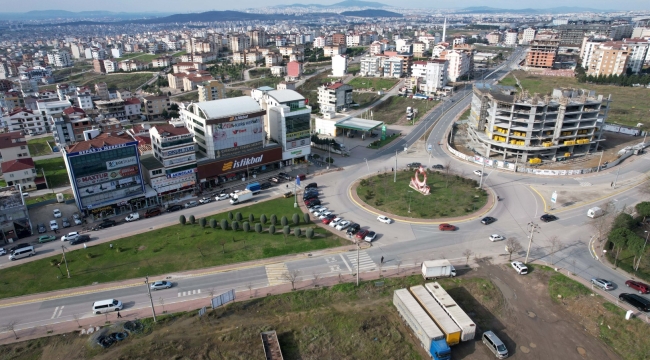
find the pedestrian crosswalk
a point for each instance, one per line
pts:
(365, 262)
(189, 292)
(276, 273)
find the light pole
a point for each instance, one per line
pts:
(533, 226)
(329, 153)
(395, 175)
(616, 178)
(409, 193)
(636, 268)
(367, 166)
(153, 310)
(601, 160)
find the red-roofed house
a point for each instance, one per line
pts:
(334, 97)
(132, 108)
(26, 120)
(13, 146)
(19, 171)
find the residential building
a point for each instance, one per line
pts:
(542, 53)
(211, 90)
(116, 53)
(14, 216)
(102, 91)
(609, 58)
(155, 107)
(528, 35)
(639, 50)
(113, 108)
(272, 59)
(83, 98)
(294, 70)
(376, 48)
(640, 32)
(288, 123)
(393, 67)
(20, 172)
(339, 65)
(132, 108)
(459, 64)
(589, 44)
(433, 74)
(12, 99)
(161, 62)
(331, 50)
(191, 82)
(98, 66)
(13, 146)
(278, 70)
(257, 37)
(339, 39)
(110, 66)
(182, 66)
(239, 42)
(63, 126)
(132, 65)
(334, 97)
(52, 111)
(370, 66)
(493, 38)
(510, 38)
(418, 49)
(59, 58)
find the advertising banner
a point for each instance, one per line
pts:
(109, 186)
(237, 133)
(114, 164)
(178, 151)
(106, 176)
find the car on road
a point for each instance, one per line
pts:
(446, 227)
(488, 220)
(496, 237)
(54, 225)
(77, 219)
(414, 165)
(152, 212)
(205, 200)
(370, 236)
(353, 229)
(638, 286)
(639, 302)
(361, 234)
(158, 285)
(81, 239)
(107, 223)
(3, 251)
(46, 238)
(335, 222)
(41, 228)
(603, 284)
(275, 180)
(57, 213)
(288, 194)
(325, 214)
(70, 236)
(342, 225)
(191, 204)
(265, 185)
(519, 267)
(478, 172)
(19, 246)
(221, 197)
(65, 222)
(384, 219)
(548, 218)
(173, 208)
(438, 167)
(284, 176)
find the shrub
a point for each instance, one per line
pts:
(263, 219)
(192, 219)
(258, 228)
(272, 229)
(213, 223)
(296, 219)
(203, 222)
(309, 233)
(297, 232)
(251, 218)
(274, 219)
(284, 221)
(306, 218)
(238, 216)
(235, 225)
(246, 226)
(286, 230)
(182, 220)
(230, 215)
(224, 224)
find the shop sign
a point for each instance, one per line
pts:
(181, 173)
(113, 164)
(106, 176)
(105, 148)
(178, 151)
(296, 153)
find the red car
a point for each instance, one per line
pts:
(446, 227)
(638, 286)
(327, 220)
(361, 234)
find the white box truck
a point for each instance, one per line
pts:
(241, 197)
(433, 269)
(595, 212)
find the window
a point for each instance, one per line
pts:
(156, 172)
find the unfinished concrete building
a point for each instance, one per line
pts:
(14, 216)
(520, 127)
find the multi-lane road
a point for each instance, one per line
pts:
(401, 243)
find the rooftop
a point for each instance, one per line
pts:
(150, 162)
(17, 165)
(103, 139)
(222, 108)
(169, 130)
(283, 96)
(12, 139)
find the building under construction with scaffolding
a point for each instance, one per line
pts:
(523, 127)
(14, 216)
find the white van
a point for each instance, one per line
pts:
(105, 306)
(495, 345)
(595, 212)
(22, 253)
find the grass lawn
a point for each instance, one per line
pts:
(55, 171)
(373, 82)
(365, 99)
(167, 250)
(354, 68)
(127, 56)
(465, 114)
(121, 81)
(451, 195)
(329, 322)
(267, 81)
(3, 183)
(193, 96)
(379, 143)
(394, 108)
(630, 105)
(233, 93)
(259, 71)
(180, 53)
(39, 146)
(49, 196)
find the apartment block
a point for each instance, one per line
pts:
(211, 90)
(542, 53)
(334, 97)
(59, 58)
(339, 65)
(371, 66)
(609, 58)
(154, 106)
(13, 145)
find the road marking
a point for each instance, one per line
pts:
(365, 262)
(275, 273)
(60, 311)
(55, 310)
(346, 263)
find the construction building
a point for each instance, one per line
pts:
(542, 53)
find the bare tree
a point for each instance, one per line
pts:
(249, 286)
(447, 170)
(11, 326)
(76, 318)
(161, 301)
(292, 277)
(512, 246)
(555, 246)
(467, 253)
(316, 279)
(602, 223)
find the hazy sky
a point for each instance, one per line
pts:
(203, 5)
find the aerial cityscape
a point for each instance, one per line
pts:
(341, 180)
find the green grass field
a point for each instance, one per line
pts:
(39, 146)
(167, 250)
(375, 83)
(365, 99)
(630, 105)
(451, 195)
(120, 81)
(193, 96)
(49, 196)
(55, 171)
(394, 108)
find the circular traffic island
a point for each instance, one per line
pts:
(422, 194)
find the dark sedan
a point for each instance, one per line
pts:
(639, 302)
(174, 208)
(106, 224)
(548, 218)
(80, 239)
(488, 220)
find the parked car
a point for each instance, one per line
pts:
(65, 222)
(478, 172)
(324, 214)
(639, 302)
(81, 239)
(77, 219)
(311, 186)
(191, 204)
(496, 237)
(638, 286)
(57, 213)
(152, 212)
(205, 200)
(265, 185)
(288, 194)
(438, 167)
(158, 285)
(107, 223)
(342, 225)
(3, 251)
(41, 228)
(384, 219)
(370, 236)
(320, 212)
(70, 236)
(414, 165)
(361, 234)
(54, 225)
(284, 176)
(446, 227)
(312, 202)
(173, 208)
(316, 210)
(310, 196)
(46, 238)
(275, 180)
(327, 220)
(488, 220)
(603, 284)
(519, 267)
(221, 197)
(353, 229)
(548, 218)
(335, 222)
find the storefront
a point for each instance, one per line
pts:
(217, 172)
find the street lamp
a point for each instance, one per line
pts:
(367, 166)
(642, 251)
(409, 194)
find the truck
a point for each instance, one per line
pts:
(254, 188)
(438, 314)
(241, 197)
(595, 212)
(425, 330)
(433, 269)
(460, 317)
(132, 217)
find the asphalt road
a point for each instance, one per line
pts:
(400, 243)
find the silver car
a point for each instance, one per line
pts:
(161, 285)
(603, 284)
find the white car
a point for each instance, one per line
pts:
(478, 172)
(384, 219)
(320, 211)
(335, 222)
(191, 204)
(70, 236)
(496, 237)
(519, 267)
(318, 208)
(54, 225)
(324, 214)
(342, 225)
(370, 237)
(205, 200)
(3, 251)
(221, 197)
(57, 213)
(77, 219)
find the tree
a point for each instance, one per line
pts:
(297, 232)
(623, 221)
(286, 231)
(292, 277)
(213, 223)
(296, 219)
(618, 238)
(263, 219)
(284, 221)
(224, 224)
(512, 246)
(238, 216)
(202, 222)
(161, 301)
(11, 326)
(258, 228)
(555, 246)
(246, 226)
(230, 215)
(274, 219)
(602, 223)
(272, 229)
(643, 209)
(447, 170)
(251, 218)
(235, 225)
(306, 218)
(467, 253)
(635, 245)
(309, 233)
(192, 219)
(182, 220)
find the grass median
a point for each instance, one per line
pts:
(168, 250)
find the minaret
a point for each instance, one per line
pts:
(444, 30)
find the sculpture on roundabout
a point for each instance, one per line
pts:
(420, 185)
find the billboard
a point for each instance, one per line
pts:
(114, 164)
(237, 133)
(212, 169)
(106, 176)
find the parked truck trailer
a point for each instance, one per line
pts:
(438, 314)
(466, 325)
(430, 337)
(434, 269)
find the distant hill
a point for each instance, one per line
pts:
(555, 10)
(372, 13)
(346, 3)
(63, 14)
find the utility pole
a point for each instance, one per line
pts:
(65, 261)
(480, 184)
(616, 178)
(533, 227)
(295, 193)
(153, 310)
(601, 160)
(395, 176)
(358, 273)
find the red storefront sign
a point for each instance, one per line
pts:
(210, 170)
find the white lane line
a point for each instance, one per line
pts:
(199, 291)
(55, 310)
(60, 311)
(346, 263)
(179, 294)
